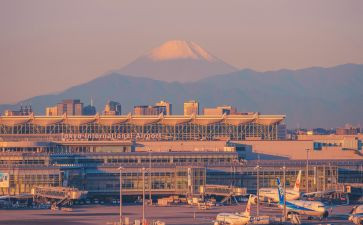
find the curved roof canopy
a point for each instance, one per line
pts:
(78, 120)
(268, 120)
(174, 120)
(144, 120)
(45, 120)
(13, 120)
(207, 120)
(237, 120)
(112, 120)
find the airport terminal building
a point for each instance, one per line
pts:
(152, 128)
(179, 153)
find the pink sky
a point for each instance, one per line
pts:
(47, 46)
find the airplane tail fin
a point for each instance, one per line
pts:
(281, 192)
(297, 183)
(248, 207)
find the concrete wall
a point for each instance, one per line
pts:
(329, 137)
(162, 146)
(273, 150)
(345, 141)
(294, 150)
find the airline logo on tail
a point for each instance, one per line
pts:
(248, 207)
(297, 183)
(281, 191)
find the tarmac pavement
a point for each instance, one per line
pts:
(175, 215)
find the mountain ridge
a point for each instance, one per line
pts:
(317, 97)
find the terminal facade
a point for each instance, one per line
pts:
(153, 128)
(179, 154)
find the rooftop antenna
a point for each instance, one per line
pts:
(91, 101)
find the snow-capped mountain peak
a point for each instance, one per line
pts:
(179, 49)
(177, 60)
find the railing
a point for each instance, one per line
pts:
(300, 163)
(223, 190)
(58, 192)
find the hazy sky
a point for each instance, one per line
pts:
(46, 46)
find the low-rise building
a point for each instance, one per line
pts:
(24, 111)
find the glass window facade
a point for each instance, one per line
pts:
(146, 128)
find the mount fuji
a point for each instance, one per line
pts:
(311, 97)
(177, 60)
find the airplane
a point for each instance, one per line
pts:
(235, 218)
(301, 207)
(271, 195)
(356, 215)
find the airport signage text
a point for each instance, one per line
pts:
(111, 136)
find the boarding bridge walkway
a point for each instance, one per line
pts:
(222, 190)
(60, 196)
(228, 192)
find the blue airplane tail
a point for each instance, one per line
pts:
(281, 192)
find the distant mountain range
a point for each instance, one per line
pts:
(313, 97)
(182, 70)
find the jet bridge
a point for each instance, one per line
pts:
(228, 192)
(59, 196)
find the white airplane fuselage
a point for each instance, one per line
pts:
(236, 218)
(301, 207)
(309, 208)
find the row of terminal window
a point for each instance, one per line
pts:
(23, 162)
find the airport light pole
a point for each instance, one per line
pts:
(150, 199)
(331, 176)
(285, 194)
(120, 169)
(324, 178)
(307, 170)
(143, 195)
(258, 188)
